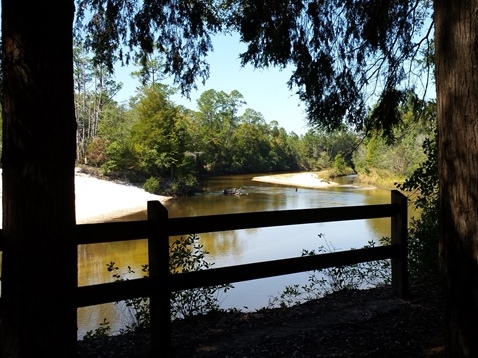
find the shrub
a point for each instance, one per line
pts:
(424, 232)
(152, 185)
(180, 186)
(101, 332)
(96, 153)
(186, 255)
(333, 279)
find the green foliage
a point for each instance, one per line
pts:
(423, 183)
(339, 163)
(105, 28)
(101, 332)
(152, 185)
(333, 279)
(187, 255)
(158, 140)
(138, 306)
(218, 120)
(232, 143)
(423, 236)
(378, 157)
(115, 129)
(184, 185)
(180, 186)
(119, 157)
(336, 78)
(424, 231)
(317, 149)
(339, 168)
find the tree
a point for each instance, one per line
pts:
(114, 131)
(342, 53)
(218, 119)
(94, 90)
(38, 313)
(150, 71)
(158, 138)
(252, 148)
(457, 91)
(38, 316)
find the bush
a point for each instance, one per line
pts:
(424, 232)
(324, 281)
(186, 255)
(180, 186)
(152, 185)
(96, 152)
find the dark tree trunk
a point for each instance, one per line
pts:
(38, 316)
(457, 100)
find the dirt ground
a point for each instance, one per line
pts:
(355, 323)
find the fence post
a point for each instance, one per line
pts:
(158, 258)
(399, 237)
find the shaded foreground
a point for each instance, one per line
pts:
(355, 323)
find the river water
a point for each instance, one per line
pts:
(241, 246)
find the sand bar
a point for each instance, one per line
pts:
(100, 200)
(303, 180)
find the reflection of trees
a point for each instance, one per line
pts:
(381, 227)
(92, 259)
(224, 244)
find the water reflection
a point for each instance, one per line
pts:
(242, 246)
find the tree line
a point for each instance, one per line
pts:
(167, 147)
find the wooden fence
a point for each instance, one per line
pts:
(160, 283)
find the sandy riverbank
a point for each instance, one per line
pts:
(101, 200)
(304, 180)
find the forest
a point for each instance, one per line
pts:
(166, 147)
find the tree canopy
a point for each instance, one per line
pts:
(345, 56)
(131, 30)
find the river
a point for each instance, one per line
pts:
(241, 246)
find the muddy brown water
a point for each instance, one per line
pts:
(241, 246)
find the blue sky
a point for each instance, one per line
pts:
(265, 91)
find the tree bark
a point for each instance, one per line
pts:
(39, 272)
(457, 105)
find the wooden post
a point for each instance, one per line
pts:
(158, 257)
(399, 237)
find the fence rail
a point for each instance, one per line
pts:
(158, 228)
